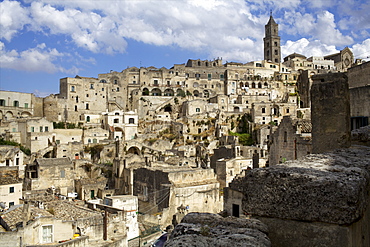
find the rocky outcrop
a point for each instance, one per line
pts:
(315, 200)
(206, 230)
(331, 188)
(361, 136)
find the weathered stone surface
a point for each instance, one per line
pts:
(331, 188)
(204, 229)
(361, 136)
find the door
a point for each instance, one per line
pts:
(92, 194)
(235, 210)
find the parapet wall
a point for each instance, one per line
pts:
(320, 200)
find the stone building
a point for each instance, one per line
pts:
(272, 41)
(291, 141)
(11, 156)
(29, 225)
(15, 105)
(129, 204)
(359, 90)
(10, 191)
(44, 173)
(175, 191)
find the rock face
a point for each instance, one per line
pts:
(331, 188)
(312, 201)
(206, 230)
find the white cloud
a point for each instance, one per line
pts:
(12, 19)
(39, 58)
(232, 29)
(327, 32)
(362, 50)
(307, 48)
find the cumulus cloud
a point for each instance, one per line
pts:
(307, 48)
(39, 58)
(233, 29)
(362, 50)
(13, 17)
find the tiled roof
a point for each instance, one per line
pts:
(15, 216)
(8, 152)
(9, 180)
(66, 210)
(53, 161)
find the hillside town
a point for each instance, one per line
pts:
(117, 159)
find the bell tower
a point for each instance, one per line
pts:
(272, 41)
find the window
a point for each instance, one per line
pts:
(32, 129)
(116, 120)
(87, 106)
(41, 129)
(47, 234)
(115, 81)
(75, 108)
(197, 109)
(117, 89)
(88, 119)
(102, 89)
(11, 189)
(263, 110)
(285, 136)
(155, 82)
(11, 204)
(2, 102)
(275, 43)
(89, 140)
(91, 86)
(14, 130)
(87, 95)
(16, 103)
(95, 141)
(25, 105)
(7, 162)
(131, 120)
(46, 128)
(72, 88)
(287, 110)
(62, 173)
(209, 77)
(17, 161)
(221, 77)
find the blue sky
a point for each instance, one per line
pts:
(43, 41)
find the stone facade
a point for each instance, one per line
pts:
(15, 105)
(291, 141)
(330, 112)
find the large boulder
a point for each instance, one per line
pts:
(206, 230)
(331, 188)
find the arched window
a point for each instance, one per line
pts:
(73, 88)
(16, 103)
(88, 119)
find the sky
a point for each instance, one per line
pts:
(42, 41)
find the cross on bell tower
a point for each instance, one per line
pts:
(272, 41)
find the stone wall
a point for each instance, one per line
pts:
(320, 200)
(359, 76)
(330, 112)
(287, 144)
(360, 106)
